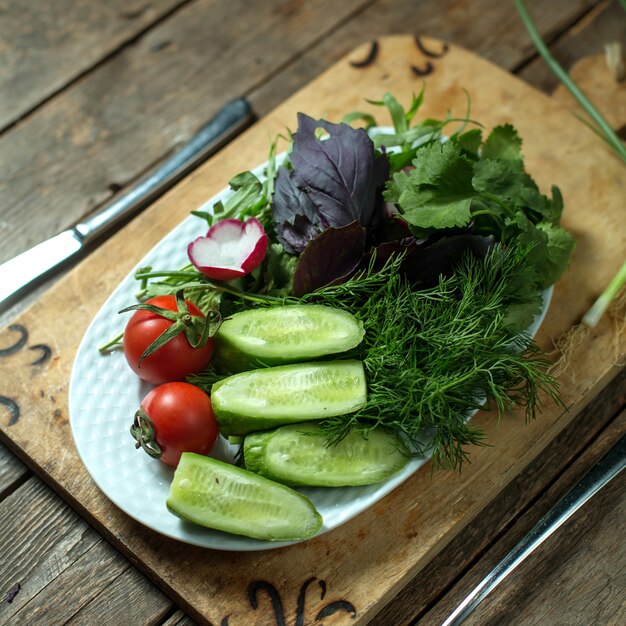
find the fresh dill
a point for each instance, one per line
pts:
(433, 357)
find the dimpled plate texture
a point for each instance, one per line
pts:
(104, 395)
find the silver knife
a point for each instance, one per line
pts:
(34, 264)
(607, 468)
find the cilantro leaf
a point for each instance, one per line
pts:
(433, 208)
(503, 143)
(560, 247)
(470, 141)
(552, 248)
(438, 192)
(505, 179)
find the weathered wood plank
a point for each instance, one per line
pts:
(436, 579)
(357, 562)
(179, 619)
(104, 131)
(54, 564)
(491, 29)
(585, 560)
(39, 539)
(12, 470)
(605, 23)
(130, 599)
(46, 45)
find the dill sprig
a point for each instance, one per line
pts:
(433, 357)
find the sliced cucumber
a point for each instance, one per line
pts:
(228, 498)
(266, 398)
(298, 454)
(284, 334)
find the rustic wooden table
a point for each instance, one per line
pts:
(96, 93)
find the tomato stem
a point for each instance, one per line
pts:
(142, 431)
(116, 341)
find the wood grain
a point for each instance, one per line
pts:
(179, 619)
(603, 24)
(527, 492)
(585, 560)
(492, 30)
(130, 599)
(350, 559)
(11, 471)
(107, 129)
(47, 45)
(64, 571)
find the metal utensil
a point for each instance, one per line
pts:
(609, 466)
(32, 265)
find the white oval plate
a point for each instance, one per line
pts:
(104, 395)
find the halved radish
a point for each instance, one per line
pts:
(230, 249)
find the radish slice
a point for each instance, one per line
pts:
(230, 249)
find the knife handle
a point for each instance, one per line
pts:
(228, 122)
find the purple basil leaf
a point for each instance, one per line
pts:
(296, 236)
(331, 257)
(340, 174)
(296, 220)
(427, 262)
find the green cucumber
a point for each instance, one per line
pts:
(284, 334)
(266, 398)
(228, 498)
(298, 454)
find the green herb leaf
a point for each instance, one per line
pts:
(552, 248)
(431, 355)
(503, 143)
(438, 192)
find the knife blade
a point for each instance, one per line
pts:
(607, 468)
(31, 266)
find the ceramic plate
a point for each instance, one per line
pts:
(104, 395)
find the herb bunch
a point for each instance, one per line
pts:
(433, 357)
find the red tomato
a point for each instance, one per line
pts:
(172, 362)
(182, 420)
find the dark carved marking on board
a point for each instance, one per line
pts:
(19, 344)
(370, 58)
(277, 605)
(333, 607)
(301, 597)
(429, 53)
(46, 353)
(323, 586)
(224, 621)
(262, 585)
(13, 407)
(45, 350)
(429, 68)
(11, 593)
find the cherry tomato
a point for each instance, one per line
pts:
(179, 419)
(173, 361)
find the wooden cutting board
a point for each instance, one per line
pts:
(353, 571)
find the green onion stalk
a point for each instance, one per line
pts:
(602, 128)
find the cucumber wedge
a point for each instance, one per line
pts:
(284, 334)
(297, 454)
(286, 394)
(225, 497)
